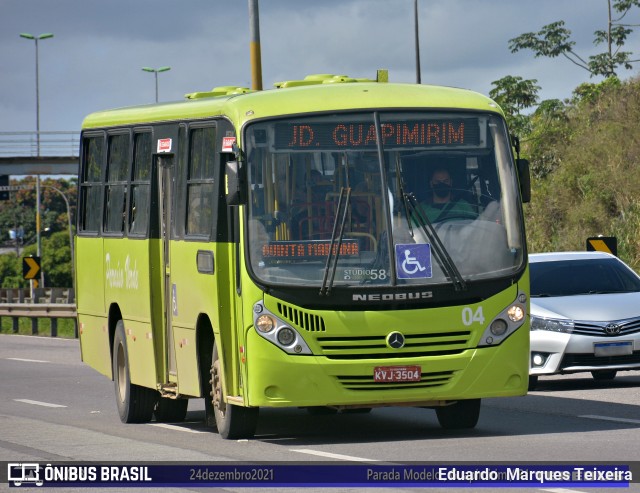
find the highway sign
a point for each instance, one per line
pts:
(607, 244)
(30, 267)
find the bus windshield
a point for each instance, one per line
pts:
(388, 198)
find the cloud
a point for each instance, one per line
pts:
(95, 59)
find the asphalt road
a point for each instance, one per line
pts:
(54, 408)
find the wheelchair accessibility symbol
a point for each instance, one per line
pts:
(413, 261)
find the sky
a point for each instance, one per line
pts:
(95, 59)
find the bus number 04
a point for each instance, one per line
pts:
(469, 316)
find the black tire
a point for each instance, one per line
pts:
(459, 416)
(533, 382)
(170, 410)
(602, 375)
(135, 403)
(233, 422)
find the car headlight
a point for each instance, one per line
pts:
(551, 324)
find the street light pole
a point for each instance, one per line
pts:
(155, 72)
(417, 40)
(36, 39)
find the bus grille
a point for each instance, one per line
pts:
(375, 346)
(365, 382)
(303, 320)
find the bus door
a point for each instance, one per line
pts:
(165, 192)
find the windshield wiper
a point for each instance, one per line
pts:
(336, 239)
(440, 252)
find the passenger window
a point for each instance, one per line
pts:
(201, 204)
(140, 203)
(90, 184)
(116, 187)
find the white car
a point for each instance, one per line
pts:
(585, 315)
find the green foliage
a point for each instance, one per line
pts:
(584, 156)
(554, 40)
(515, 94)
(18, 213)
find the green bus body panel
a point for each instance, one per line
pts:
(245, 107)
(198, 295)
(92, 322)
(277, 379)
(121, 271)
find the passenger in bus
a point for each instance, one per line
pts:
(444, 203)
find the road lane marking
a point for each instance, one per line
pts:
(38, 403)
(29, 360)
(331, 456)
(607, 418)
(174, 427)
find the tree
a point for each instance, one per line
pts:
(555, 39)
(514, 94)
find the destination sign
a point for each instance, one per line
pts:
(359, 135)
(307, 250)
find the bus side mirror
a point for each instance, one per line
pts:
(234, 183)
(525, 180)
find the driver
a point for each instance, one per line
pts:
(443, 203)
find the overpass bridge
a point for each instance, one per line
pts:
(46, 153)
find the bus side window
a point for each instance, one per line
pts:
(117, 178)
(139, 203)
(90, 184)
(201, 208)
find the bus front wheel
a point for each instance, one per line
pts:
(232, 421)
(135, 403)
(459, 416)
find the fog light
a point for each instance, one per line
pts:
(537, 359)
(499, 327)
(264, 323)
(286, 336)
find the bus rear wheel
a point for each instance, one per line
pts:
(232, 421)
(459, 416)
(135, 403)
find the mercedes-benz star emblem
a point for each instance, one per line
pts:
(395, 340)
(612, 329)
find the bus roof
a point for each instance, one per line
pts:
(242, 107)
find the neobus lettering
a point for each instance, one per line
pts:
(393, 296)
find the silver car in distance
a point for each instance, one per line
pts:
(585, 315)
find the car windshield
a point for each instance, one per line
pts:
(578, 277)
(330, 206)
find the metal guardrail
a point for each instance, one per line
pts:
(63, 143)
(51, 303)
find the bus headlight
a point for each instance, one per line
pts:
(265, 324)
(277, 331)
(498, 327)
(516, 313)
(286, 336)
(504, 323)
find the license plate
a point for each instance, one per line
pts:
(396, 374)
(620, 348)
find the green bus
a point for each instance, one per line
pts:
(278, 249)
